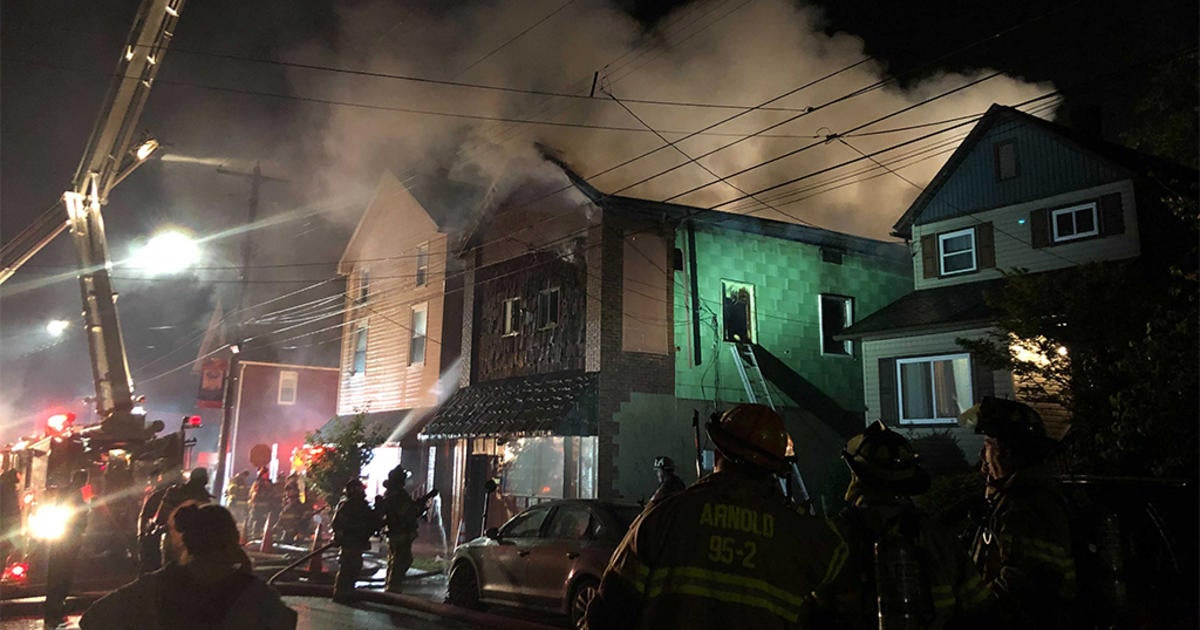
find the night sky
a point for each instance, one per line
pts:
(221, 101)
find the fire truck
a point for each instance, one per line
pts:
(122, 442)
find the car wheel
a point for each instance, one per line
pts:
(582, 594)
(463, 589)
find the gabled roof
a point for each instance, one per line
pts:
(1121, 157)
(676, 213)
(444, 201)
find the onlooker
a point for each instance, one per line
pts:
(150, 532)
(195, 490)
(210, 587)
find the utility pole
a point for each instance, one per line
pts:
(232, 378)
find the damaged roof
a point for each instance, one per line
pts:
(562, 403)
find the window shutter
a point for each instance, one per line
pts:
(1039, 228)
(1112, 219)
(982, 383)
(985, 246)
(929, 255)
(889, 410)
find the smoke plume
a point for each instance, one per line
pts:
(713, 51)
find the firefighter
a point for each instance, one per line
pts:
(1023, 547)
(354, 522)
(194, 490)
(903, 570)
(237, 497)
(399, 513)
(295, 516)
(261, 503)
(728, 551)
(150, 534)
(668, 482)
(62, 553)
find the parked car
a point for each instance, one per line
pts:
(549, 557)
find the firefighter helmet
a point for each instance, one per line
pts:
(396, 478)
(751, 434)
(1014, 424)
(881, 457)
(662, 462)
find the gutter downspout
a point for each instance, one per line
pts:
(695, 289)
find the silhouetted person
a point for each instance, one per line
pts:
(354, 522)
(211, 586)
(195, 490)
(261, 503)
(150, 532)
(62, 554)
(237, 497)
(668, 482)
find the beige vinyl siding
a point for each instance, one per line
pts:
(1013, 247)
(925, 345)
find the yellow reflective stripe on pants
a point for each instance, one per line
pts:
(697, 582)
(838, 560)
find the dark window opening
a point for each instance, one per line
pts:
(738, 309)
(422, 264)
(547, 314)
(837, 313)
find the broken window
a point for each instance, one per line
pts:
(547, 315)
(837, 312)
(737, 299)
(512, 317)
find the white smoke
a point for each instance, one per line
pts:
(714, 51)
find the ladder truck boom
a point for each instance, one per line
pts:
(110, 156)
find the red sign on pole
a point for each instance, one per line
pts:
(212, 383)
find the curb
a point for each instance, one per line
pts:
(475, 617)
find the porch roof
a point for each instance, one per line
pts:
(562, 403)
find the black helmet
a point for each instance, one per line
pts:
(199, 476)
(881, 457)
(1006, 420)
(662, 462)
(396, 477)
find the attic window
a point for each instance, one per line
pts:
(1006, 160)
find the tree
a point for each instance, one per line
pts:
(1115, 345)
(347, 447)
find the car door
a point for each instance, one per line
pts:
(552, 562)
(503, 570)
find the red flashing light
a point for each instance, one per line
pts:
(60, 422)
(16, 571)
(195, 422)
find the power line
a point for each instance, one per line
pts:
(515, 37)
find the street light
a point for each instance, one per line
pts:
(56, 327)
(165, 253)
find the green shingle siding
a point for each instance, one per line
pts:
(787, 278)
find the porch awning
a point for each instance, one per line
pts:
(385, 423)
(563, 403)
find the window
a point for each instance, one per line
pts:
(934, 390)
(526, 525)
(360, 350)
(837, 313)
(1006, 160)
(364, 285)
(737, 299)
(547, 315)
(422, 264)
(512, 317)
(416, 349)
(570, 522)
(1074, 222)
(288, 384)
(957, 251)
